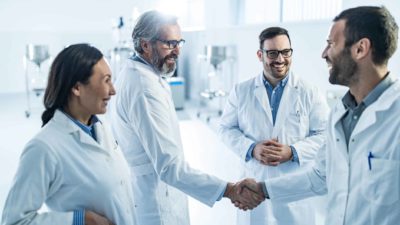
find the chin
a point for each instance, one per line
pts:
(101, 111)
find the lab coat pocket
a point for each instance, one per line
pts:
(296, 124)
(381, 181)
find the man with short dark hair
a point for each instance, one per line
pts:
(275, 123)
(359, 168)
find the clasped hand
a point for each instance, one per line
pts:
(271, 152)
(246, 194)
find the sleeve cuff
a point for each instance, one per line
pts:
(266, 195)
(79, 217)
(221, 195)
(295, 156)
(249, 154)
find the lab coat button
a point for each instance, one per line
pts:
(352, 140)
(337, 139)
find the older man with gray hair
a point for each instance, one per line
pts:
(146, 127)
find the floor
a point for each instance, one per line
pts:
(203, 150)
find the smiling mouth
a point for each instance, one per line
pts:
(170, 60)
(106, 100)
(278, 67)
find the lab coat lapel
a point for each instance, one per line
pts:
(103, 138)
(287, 104)
(384, 101)
(338, 132)
(71, 128)
(261, 95)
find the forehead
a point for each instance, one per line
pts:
(101, 68)
(170, 32)
(278, 42)
(336, 33)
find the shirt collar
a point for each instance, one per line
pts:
(87, 128)
(139, 58)
(350, 102)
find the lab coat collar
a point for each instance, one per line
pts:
(385, 100)
(289, 103)
(150, 72)
(285, 107)
(368, 117)
(261, 94)
(73, 129)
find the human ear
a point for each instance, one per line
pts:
(362, 48)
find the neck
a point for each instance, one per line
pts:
(368, 80)
(146, 57)
(74, 111)
(272, 80)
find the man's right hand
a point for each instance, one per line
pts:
(92, 218)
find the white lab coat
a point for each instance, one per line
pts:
(146, 127)
(357, 195)
(65, 168)
(247, 119)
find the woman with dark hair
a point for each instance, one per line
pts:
(73, 165)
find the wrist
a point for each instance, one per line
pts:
(228, 190)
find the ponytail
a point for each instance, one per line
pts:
(47, 115)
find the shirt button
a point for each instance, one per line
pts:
(355, 117)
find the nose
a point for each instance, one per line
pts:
(176, 50)
(112, 89)
(324, 53)
(280, 57)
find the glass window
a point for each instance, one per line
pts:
(189, 12)
(261, 11)
(301, 10)
(269, 11)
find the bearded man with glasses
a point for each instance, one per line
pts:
(275, 124)
(146, 127)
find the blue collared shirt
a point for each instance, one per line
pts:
(89, 129)
(274, 97)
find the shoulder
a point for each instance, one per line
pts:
(246, 84)
(306, 88)
(41, 147)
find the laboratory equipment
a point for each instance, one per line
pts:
(219, 79)
(123, 48)
(35, 77)
(177, 85)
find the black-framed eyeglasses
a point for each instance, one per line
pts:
(172, 43)
(273, 54)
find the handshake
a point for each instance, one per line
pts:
(245, 194)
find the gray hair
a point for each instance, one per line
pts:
(148, 27)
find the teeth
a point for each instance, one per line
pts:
(278, 66)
